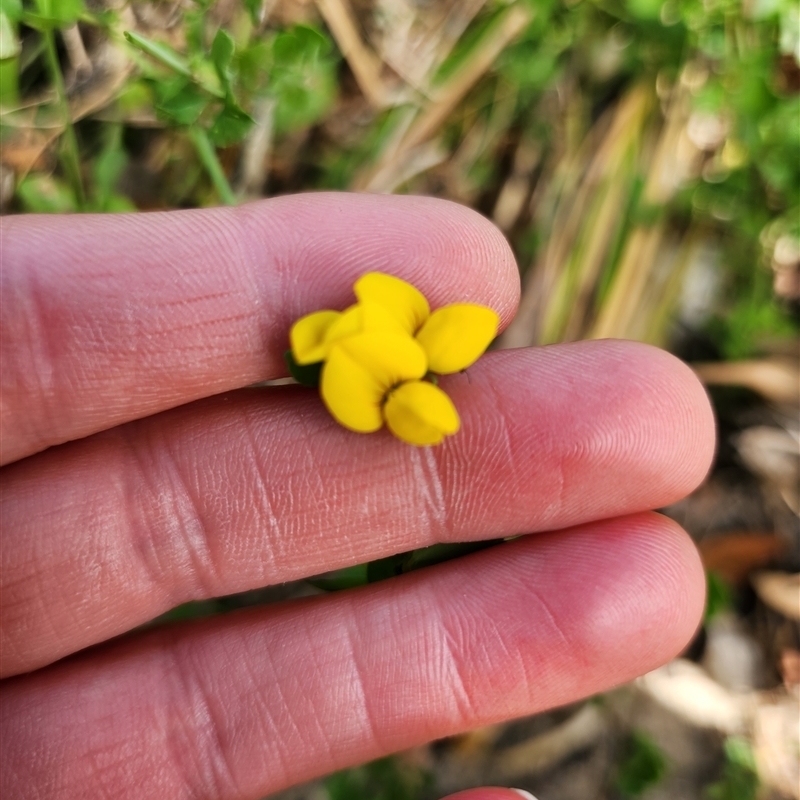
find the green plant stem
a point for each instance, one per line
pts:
(208, 158)
(9, 82)
(70, 157)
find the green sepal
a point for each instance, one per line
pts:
(304, 374)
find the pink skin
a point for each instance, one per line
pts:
(108, 321)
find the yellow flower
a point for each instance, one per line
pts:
(377, 352)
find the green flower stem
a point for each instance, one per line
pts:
(208, 158)
(70, 158)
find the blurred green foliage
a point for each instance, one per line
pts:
(719, 596)
(642, 766)
(385, 779)
(739, 779)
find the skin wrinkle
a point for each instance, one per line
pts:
(265, 509)
(425, 478)
(551, 617)
(44, 595)
(217, 775)
(103, 774)
(481, 641)
(319, 673)
(483, 454)
(501, 446)
(196, 540)
(275, 715)
(452, 644)
(143, 502)
(33, 364)
(351, 635)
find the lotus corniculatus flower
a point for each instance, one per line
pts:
(379, 358)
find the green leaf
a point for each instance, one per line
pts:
(346, 578)
(739, 778)
(160, 52)
(12, 9)
(300, 44)
(254, 9)
(54, 13)
(385, 779)
(643, 765)
(230, 126)
(645, 9)
(44, 194)
(9, 40)
(106, 171)
(222, 49)
(305, 375)
(302, 78)
(254, 66)
(399, 564)
(790, 31)
(180, 102)
(718, 596)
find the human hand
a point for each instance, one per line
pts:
(117, 331)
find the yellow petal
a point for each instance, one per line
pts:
(351, 393)
(420, 413)
(349, 323)
(361, 369)
(363, 317)
(456, 336)
(307, 336)
(389, 357)
(407, 304)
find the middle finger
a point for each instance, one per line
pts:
(255, 488)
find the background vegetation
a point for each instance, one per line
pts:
(643, 157)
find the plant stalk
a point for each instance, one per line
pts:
(70, 157)
(208, 158)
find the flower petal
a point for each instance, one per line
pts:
(457, 335)
(420, 413)
(349, 323)
(389, 357)
(307, 336)
(406, 303)
(363, 317)
(351, 393)
(361, 369)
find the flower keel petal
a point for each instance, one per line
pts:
(457, 335)
(420, 413)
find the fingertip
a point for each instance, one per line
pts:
(491, 793)
(654, 607)
(686, 406)
(483, 244)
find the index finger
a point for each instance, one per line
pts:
(106, 319)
